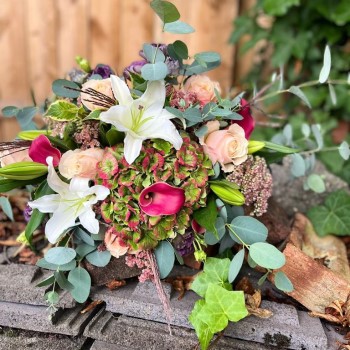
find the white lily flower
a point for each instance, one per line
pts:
(72, 201)
(141, 119)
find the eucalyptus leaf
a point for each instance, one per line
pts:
(6, 207)
(212, 238)
(178, 27)
(165, 258)
(60, 87)
(235, 265)
(266, 255)
(60, 255)
(155, 71)
(166, 11)
(344, 150)
(248, 229)
(316, 183)
(298, 167)
(153, 53)
(298, 92)
(25, 117)
(305, 129)
(226, 243)
(48, 266)
(81, 281)
(326, 68)
(84, 236)
(83, 249)
(315, 128)
(100, 259)
(283, 283)
(46, 282)
(180, 49)
(62, 281)
(9, 111)
(332, 94)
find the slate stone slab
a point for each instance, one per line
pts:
(116, 333)
(36, 318)
(18, 285)
(287, 328)
(12, 339)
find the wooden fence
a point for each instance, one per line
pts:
(39, 40)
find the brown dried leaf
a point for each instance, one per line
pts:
(114, 284)
(181, 284)
(245, 285)
(261, 313)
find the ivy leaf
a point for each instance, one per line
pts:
(203, 331)
(62, 110)
(215, 272)
(222, 306)
(332, 217)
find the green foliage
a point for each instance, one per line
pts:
(81, 281)
(5, 205)
(267, 255)
(165, 258)
(154, 71)
(227, 191)
(235, 265)
(60, 255)
(282, 282)
(332, 217)
(220, 304)
(166, 11)
(49, 266)
(62, 88)
(178, 27)
(278, 7)
(248, 229)
(206, 216)
(316, 183)
(344, 150)
(99, 259)
(63, 111)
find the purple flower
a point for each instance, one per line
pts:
(184, 243)
(27, 213)
(103, 70)
(134, 67)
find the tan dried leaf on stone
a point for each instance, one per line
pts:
(91, 306)
(115, 284)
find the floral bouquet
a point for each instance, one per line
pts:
(154, 167)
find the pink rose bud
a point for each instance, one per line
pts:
(203, 87)
(229, 147)
(248, 122)
(80, 163)
(161, 199)
(41, 148)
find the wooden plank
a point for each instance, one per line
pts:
(136, 28)
(212, 21)
(104, 32)
(14, 87)
(72, 32)
(41, 25)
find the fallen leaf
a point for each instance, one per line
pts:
(114, 284)
(91, 306)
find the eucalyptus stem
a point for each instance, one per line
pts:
(239, 238)
(326, 149)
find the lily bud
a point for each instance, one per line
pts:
(23, 171)
(228, 192)
(255, 146)
(83, 64)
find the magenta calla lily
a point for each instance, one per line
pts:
(41, 148)
(248, 122)
(161, 199)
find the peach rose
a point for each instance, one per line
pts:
(14, 156)
(104, 86)
(229, 147)
(114, 244)
(80, 163)
(203, 87)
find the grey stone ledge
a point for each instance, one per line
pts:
(36, 318)
(18, 285)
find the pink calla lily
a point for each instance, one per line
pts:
(248, 122)
(196, 227)
(161, 199)
(41, 148)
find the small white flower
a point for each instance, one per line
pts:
(72, 201)
(141, 119)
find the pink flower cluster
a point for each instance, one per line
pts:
(87, 137)
(255, 181)
(140, 260)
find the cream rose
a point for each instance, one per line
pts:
(229, 147)
(203, 87)
(14, 156)
(114, 244)
(80, 163)
(104, 86)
